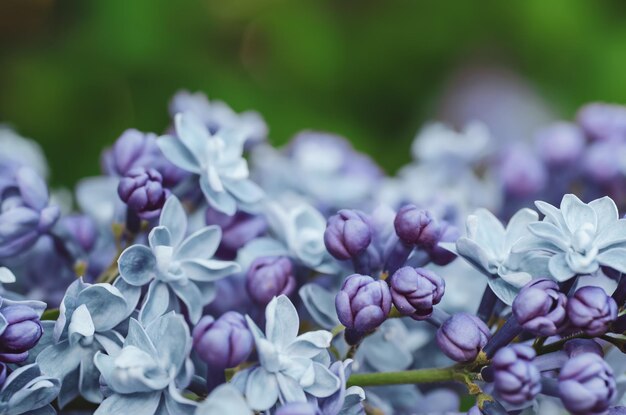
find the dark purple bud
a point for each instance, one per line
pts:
(142, 190)
(237, 230)
(540, 307)
(603, 121)
(136, 149)
(560, 144)
(348, 234)
(363, 303)
(417, 227)
(269, 277)
(449, 233)
(586, 385)
(591, 310)
(21, 333)
(82, 229)
(575, 347)
(462, 337)
(297, 408)
(415, 291)
(222, 343)
(516, 378)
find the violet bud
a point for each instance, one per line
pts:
(560, 144)
(416, 226)
(142, 190)
(82, 229)
(24, 212)
(415, 291)
(591, 310)
(462, 337)
(137, 149)
(21, 333)
(222, 343)
(575, 347)
(521, 172)
(540, 307)
(269, 277)
(363, 303)
(449, 233)
(297, 408)
(237, 230)
(603, 121)
(348, 234)
(586, 385)
(516, 378)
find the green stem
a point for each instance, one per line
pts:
(406, 377)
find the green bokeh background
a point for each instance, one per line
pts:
(75, 74)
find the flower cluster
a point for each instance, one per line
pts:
(206, 272)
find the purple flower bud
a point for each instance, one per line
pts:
(142, 190)
(24, 212)
(449, 233)
(516, 378)
(415, 291)
(136, 149)
(560, 144)
(602, 161)
(521, 172)
(348, 234)
(269, 277)
(586, 385)
(237, 230)
(297, 408)
(462, 336)
(222, 343)
(82, 229)
(22, 332)
(575, 347)
(416, 226)
(540, 307)
(603, 121)
(363, 303)
(591, 310)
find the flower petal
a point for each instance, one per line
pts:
(550, 233)
(190, 295)
(159, 236)
(221, 201)
(606, 212)
(613, 234)
(576, 213)
(207, 270)
(174, 218)
(326, 383)
(136, 265)
(559, 269)
(518, 226)
(614, 258)
(201, 244)
(193, 134)
(156, 303)
(282, 322)
(136, 404)
(245, 190)
(171, 338)
(176, 152)
(261, 389)
(107, 306)
(290, 389)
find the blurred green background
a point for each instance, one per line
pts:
(75, 74)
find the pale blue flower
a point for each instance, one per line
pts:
(297, 232)
(146, 375)
(225, 399)
(489, 247)
(290, 366)
(175, 266)
(578, 237)
(217, 159)
(86, 324)
(27, 392)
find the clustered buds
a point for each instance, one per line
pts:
(142, 190)
(269, 277)
(462, 337)
(516, 378)
(415, 291)
(540, 307)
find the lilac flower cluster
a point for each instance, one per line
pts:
(206, 272)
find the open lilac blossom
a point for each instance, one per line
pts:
(175, 265)
(217, 160)
(579, 237)
(147, 373)
(25, 212)
(289, 365)
(591, 310)
(27, 391)
(586, 385)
